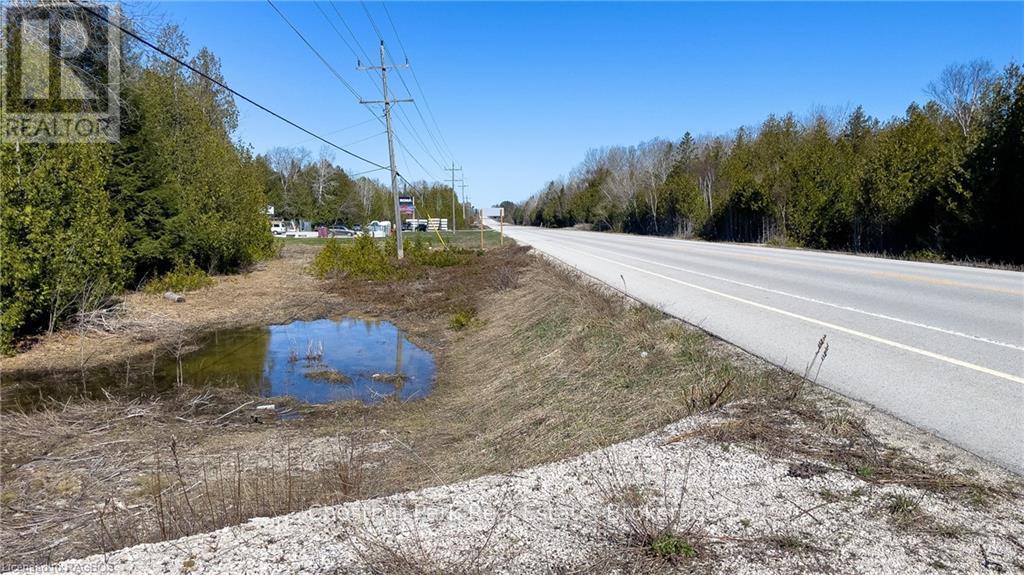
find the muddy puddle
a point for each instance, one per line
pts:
(316, 361)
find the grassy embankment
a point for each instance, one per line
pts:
(535, 364)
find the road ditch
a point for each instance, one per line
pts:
(661, 448)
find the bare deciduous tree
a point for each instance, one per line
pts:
(324, 169)
(959, 90)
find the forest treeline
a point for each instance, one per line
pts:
(942, 181)
(302, 186)
(81, 222)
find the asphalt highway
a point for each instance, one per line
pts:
(939, 346)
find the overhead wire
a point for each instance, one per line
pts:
(401, 77)
(336, 73)
(340, 130)
(416, 80)
(221, 84)
(401, 117)
(314, 50)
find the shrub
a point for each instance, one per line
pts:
(181, 279)
(463, 319)
(926, 256)
(419, 252)
(60, 237)
(361, 259)
(902, 506)
(416, 248)
(391, 246)
(440, 258)
(671, 546)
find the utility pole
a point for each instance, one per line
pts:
(391, 144)
(453, 169)
(462, 186)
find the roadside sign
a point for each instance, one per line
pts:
(406, 205)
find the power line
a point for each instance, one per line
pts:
(361, 140)
(422, 119)
(430, 132)
(336, 73)
(401, 78)
(402, 116)
(370, 172)
(340, 130)
(391, 147)
(372, 23)
(411, 155)
(416, 80)
(338, 32)
(430, 112)
(234, 92)
(453, 169)
(394, 30)
(315, 51)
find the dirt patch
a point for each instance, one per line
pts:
(275, 291)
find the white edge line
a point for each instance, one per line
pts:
(820, 302)
(839, 328)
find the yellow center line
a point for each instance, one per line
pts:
(891, 275)
(945, 282)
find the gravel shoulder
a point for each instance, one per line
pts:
(746, 511)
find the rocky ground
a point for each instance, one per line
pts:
(729, 509)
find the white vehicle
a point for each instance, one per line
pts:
(283, 229)
(301, 234)
(377, 229)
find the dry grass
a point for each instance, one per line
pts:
(554, 366)
(560, 366)
(100, 475)
(800, 428)
(329, 375)
(412, 552)
(646, 524)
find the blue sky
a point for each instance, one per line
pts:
(522, 90)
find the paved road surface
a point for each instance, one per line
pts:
(939, 346)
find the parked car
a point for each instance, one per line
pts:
(381, 229)
(341, 232)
